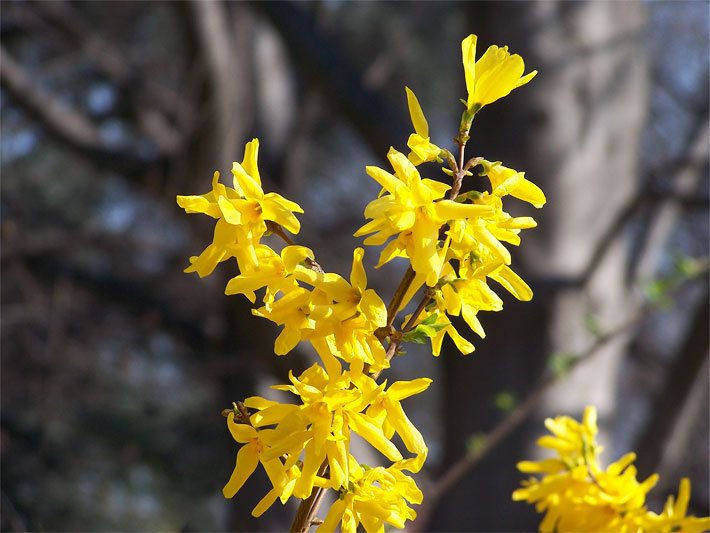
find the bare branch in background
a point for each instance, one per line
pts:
(68, 123)
(319, 56)
(152, 101)
(226, 68)
(664, 219)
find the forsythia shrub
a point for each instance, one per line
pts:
(453, 243)
(577, 494)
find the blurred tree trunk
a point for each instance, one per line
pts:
(578, 127)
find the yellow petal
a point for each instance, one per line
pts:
(547, 466)
(462, 344)
(264, 504)
(251, 154)
(513, 283)
(364, 427)
(247, 459)
(287, 340)
(229, 212)
(274, 211)
(311, 463)
(681, 505)
(198, 204)
(400, 390)
(415, 112)
(273, 414)
(500, 79)
(411, 437)
(373, 308)
(294, 255)
(240, 432)
(384, 178)
(525, 79)
(450, 210)
(358, 277)
(468, 49)
(243, 181)
(335, 514)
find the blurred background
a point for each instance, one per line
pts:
(116, 365)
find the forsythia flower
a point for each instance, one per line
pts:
(423, 150)
(493, 76)
(414, 210)
(506, 181)
(319, 428)
(673, 518)
(577, 494)
(241, 214)
(373, 497)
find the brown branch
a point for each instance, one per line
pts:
(402, 288)
(305, 515)
(151, 100)
(276, 229)
(67, 122)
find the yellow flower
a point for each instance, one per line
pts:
(506, 181)
(374, 497)
(386, 408)
(332, 409)
(241, 213)
(577, 494)
(292, 311)
(493, 76)
(273, 271)
(465, 295)
(673, 518)
(414, 210)
(423, 150)
(249, 457)
(254, 206)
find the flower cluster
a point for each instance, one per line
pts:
(453, 244)
(577, 494)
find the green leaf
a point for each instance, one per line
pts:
(430, 320)
(415, 336)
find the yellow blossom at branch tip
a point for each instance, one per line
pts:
(494, 75)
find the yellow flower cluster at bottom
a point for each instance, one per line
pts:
(577, 494)
(334, 405)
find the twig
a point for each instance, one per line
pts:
(58, 116)
(399, 293)
(276, 229)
